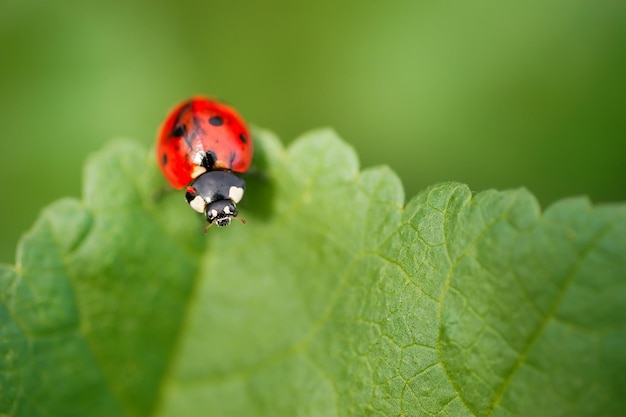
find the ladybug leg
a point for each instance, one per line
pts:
(161, 192)
(255, 173)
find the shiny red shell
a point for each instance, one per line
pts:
(202, 126)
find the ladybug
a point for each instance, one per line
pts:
(201, 146)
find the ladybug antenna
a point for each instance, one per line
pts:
(207, 227)
(241, 220)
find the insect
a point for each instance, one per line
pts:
(201, 146)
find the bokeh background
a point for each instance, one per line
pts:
(494, 94)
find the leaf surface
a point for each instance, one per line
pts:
(336, 298)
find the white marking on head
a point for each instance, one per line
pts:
(197, 171)
(235, 193)
(213, 213)
(198, 204)
(227, 210)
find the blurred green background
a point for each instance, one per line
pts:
(490, 93)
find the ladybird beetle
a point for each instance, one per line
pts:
(201, 145)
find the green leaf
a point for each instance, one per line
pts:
(336, 298)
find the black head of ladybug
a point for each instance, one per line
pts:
(220, 212)
(216, 194)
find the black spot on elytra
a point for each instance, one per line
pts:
(243, 138)
(216, 121)
(179, 131)
(164, 159)
(209, 160)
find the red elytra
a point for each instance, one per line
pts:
(199, 135)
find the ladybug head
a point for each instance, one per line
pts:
(220, 212)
